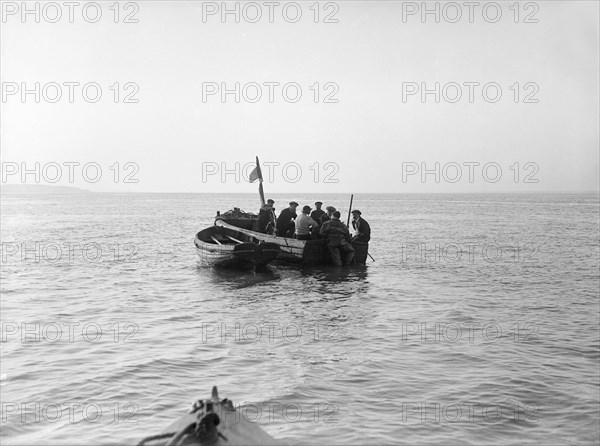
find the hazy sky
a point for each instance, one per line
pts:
(179, 140)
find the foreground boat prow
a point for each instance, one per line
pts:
(212, 422)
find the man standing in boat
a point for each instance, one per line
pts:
(327, 216)
(361, 237)
(338, 238)
(318, 212)
(285, 225)
(304, 224)
(266, 218)
(362, 230)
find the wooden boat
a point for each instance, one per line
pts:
(306, 251)
(312, 252)
(214, 422)
(230, 247)
(239, 218)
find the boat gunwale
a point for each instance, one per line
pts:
(300, 244)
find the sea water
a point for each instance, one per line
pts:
(477, 322)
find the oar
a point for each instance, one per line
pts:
(234, 239)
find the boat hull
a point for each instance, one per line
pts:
(310, 252)
(289, 248)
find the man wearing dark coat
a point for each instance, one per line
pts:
(327, 216)
(362, 230)
(361, 237)
(266, 218)
(318, 212)
(338, 238)
(285, 225)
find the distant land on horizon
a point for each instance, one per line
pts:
(40, 189)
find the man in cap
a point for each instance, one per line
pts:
(338, 238)
(304, 224)
(285, 225)
(362, 230)
(318, 212)
(266, 218)
(327, 216)
(361, 237)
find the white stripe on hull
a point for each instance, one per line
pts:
(212, 259)
(211, 254)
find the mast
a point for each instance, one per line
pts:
(256, 174)
(261, 191)
(350, 210)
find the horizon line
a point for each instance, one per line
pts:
(80, 190)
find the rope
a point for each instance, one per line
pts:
(176, 440)
(156, 437)
(177, 436)
(204, 429)
(287, 244)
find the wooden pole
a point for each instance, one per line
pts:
(350, 210)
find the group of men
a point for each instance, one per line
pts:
(316, 224)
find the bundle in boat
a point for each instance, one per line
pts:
(239, 218)
(213, 422)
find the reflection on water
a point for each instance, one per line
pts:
(337, 274)
(233, 278)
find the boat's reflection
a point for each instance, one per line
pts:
(323, 274)
(237, 278)
(336, 274)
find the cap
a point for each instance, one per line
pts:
(318, 203)
(306, 209)
(330, 208)
(270, 201)
(293, 203)
(356, 211)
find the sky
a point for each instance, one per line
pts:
(516, 107)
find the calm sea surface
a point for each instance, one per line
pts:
(477, 323)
